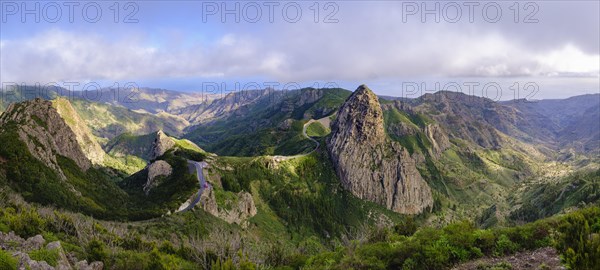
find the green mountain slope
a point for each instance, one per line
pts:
(129, 144)
(42, 160)
(59, 180)
(107, 122)
(474, 153)
(271, 125)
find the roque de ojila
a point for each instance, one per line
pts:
(299, 135)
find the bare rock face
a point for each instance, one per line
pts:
(34, 242)
(63, 261)
(90, 147)
(241, 210)
(161, 144)
(209, 203)
(83, 265)
(438, 139)
(45, 133)
(245, 206)
(25, 262)
(157, 168)
(371, 166)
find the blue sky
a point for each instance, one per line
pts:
(391, 46)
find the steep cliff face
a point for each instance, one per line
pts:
(45, 133)
(371, 166)
(90, 147)
(156, 169)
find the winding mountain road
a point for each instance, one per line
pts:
(281, 158)
(308, 137)
(198, 166)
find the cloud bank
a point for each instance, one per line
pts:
(368, 43)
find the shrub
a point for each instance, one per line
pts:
(4, 228)
(7, 261)
(167, 247)
(223, 265)
(310, 246)
(27, 223)
(580, 246)
(504, 246)
(485, 240)
(131, 260)
(96, 251)
(49, 256)
(409, 264)
(406, 227)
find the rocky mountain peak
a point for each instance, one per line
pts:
(368, 164)
(361, 117)
(44, 131)
(161, 144)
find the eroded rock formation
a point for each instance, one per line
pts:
(370, 165)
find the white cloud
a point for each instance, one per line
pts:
(365, 45)
(570, 60)
(56, 55)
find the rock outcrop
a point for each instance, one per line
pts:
(241, 210)
(43, 130)
(438, 138)
(19, 248)
(371, 166)
(156, 169)
(161, 144)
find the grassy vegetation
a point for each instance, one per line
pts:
(130, 144)
(196, 240)
(407, 130)
(125, 165)
(47, 255)
(574, 235)
(316, 129)
(171, 190)
(303, 193)
(332, 99)
(7, 261)
(225, 199)
(546, 199)
(41, 184)
(269, 141)
(96, 193)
